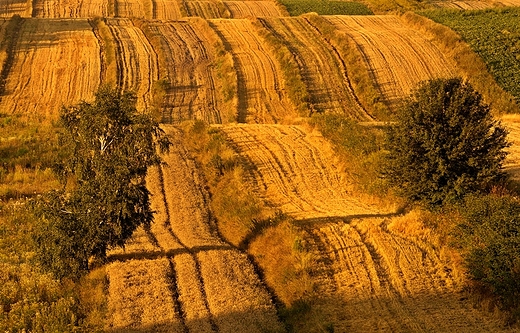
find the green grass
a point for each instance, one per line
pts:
(494, 35)
(325, 7)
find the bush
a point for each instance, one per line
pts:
(445, 144)
(489, 236)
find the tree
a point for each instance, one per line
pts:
(444, 144)
(109, 149)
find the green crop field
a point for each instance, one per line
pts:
(325, 7)
(494, 35)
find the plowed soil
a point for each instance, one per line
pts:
(137, 63)
(190, 72)
(195, 282)
(397, 56)
(369, 274)
(261, 92)
(322, 70)
(57, 62)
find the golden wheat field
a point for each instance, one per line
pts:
(372, 270)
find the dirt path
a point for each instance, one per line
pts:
(321, 68)
(56, 62)
(398, 57)
(137, 63)
(261, 95)
(189, 57)
(191, 280)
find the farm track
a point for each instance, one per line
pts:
(56, 62)
(137, 62)
(320, 67)
(261, 91)
(205, 285)
(294, 171)
(397, 56)
(192, 92)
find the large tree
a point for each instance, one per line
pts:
(110, 146)
(444, 144)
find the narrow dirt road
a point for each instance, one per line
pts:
(189, 279)
(261, 92)
(398, 56)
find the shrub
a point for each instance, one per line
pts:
(445, 144)
(489, 236)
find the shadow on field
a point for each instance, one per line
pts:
(317, 221)
(162, 254)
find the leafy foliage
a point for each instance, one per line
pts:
(494, 34)
(490, 240)
(325, 7)
(105, 198)
(445, 144)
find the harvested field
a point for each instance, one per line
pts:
(194, 281)
(133, 8)
(465, 5)
(243, 9)
(295, 171)
(9, 8)
(261, 92)
(207, 9)
(322, 70)
(189, 62)
(381, 280)
(56, 62)
(70, 8)
(137, 63)
(398, 57)
(166, 9)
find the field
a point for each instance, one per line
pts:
(343, 260)
(494, 35)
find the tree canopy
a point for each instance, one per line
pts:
(109, 146)
(444, 144)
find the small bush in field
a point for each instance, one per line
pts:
(490, 241)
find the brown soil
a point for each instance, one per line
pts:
(397, 56)
(261, 95)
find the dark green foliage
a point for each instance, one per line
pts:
(325, 7)
(494, 35)
(489, 236)
(111, 146)
(445, 144)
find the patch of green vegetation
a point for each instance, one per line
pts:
(494, 34)
(325, 7)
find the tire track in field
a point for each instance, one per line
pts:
(137, 62)
(192, 93)
(166, 10)
(210, 286)
(294, 170)
(56, 63)
(261, 91)
(320, 66)
(387, 281)
(398, 56)
(244, 9)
